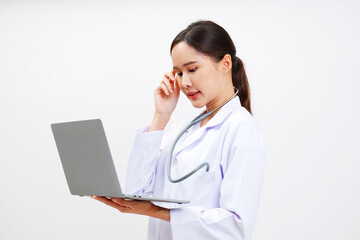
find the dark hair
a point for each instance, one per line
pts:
(212, 40)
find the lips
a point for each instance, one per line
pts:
(193, 95)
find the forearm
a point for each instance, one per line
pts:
(159, 122)
(136, 207)
(144, 152)
(160, 213)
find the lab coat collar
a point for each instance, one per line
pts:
(223, 113)
(217, 119)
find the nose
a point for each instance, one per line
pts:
(185, 81)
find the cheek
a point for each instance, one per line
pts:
(205, 77)
(201, 76)
(205, 81)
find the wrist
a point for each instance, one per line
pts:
(160, 121)
(161, 213)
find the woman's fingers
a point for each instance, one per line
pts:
(122, 202)
(170, 76)
(133, 206)
(166, 96)
(176, 83)
(105, 200)
(164, 88)
(168, 82)
(111, 203)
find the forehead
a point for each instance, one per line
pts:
(182, 53)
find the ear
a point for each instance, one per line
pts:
(226, 63)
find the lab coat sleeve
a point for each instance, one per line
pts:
(242, 165)
(142, 162)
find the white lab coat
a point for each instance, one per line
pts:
(225, 200)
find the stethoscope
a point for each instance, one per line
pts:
(196, 120)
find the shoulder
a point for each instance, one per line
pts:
(241, 115)
(240, 118)
(243, 142)
(242, 127)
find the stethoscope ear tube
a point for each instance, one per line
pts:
(196, 120)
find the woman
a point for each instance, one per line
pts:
(224, 199)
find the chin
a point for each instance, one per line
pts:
(197, 104)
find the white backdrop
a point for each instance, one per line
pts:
(72, 60)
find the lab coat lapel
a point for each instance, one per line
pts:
(190, 140)
(219, 118)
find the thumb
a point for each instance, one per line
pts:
(176, 85)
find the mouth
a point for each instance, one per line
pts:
(193, 95)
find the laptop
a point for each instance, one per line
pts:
(87, 162)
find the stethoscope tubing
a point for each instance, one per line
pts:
(196, 120)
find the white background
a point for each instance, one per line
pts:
(72, 60)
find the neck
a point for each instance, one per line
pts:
(220, 100)
(216, 103)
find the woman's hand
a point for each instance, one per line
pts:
(137, 207)
(166, 96)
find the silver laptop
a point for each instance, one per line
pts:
(87, 162)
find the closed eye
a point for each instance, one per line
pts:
(193, 69)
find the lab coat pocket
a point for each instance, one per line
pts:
(199, 183)
(201, 174)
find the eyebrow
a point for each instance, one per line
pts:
(186, 64)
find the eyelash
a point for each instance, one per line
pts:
(191, 70)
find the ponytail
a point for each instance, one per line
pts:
(240, 81)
